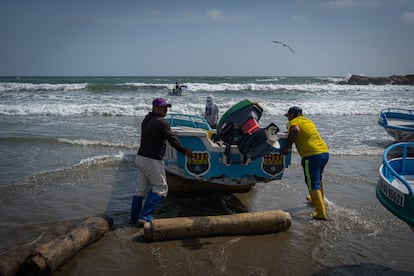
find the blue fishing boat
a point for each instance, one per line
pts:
(398, 123)
(396, 184)
(238, 153)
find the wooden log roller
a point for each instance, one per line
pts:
(236, 224)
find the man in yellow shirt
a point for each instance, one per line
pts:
(314, 152)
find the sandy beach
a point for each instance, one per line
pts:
(68, 154)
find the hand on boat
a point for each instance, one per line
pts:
(188, 152)
(285, 151)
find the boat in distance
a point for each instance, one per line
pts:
(181, 90)
(238, 153)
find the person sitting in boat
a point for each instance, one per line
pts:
(314, 152)
(211, 112)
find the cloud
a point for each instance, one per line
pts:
(354, 3)
(215, 14)
(408, 17)
(298, 18)
(342, 3)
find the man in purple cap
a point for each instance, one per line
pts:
(151, 183)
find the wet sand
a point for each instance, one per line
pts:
(360, 237)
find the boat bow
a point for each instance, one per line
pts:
(396, 184)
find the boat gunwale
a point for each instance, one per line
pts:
(385, 117)
(200, 124)
(386, 169)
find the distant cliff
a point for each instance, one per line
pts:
(395, 80)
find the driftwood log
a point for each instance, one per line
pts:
(49, 256)
(48, 252)
(12, 259)
(235, 224)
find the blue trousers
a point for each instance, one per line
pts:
(313, 168)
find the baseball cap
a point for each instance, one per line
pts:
(294, 110)
(160, 102)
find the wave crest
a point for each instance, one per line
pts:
(15, 86)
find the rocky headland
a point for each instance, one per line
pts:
(394, 80)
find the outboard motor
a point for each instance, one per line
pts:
(239, 126)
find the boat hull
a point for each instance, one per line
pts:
(214, 162)
(400, 135)
(395, 201)
(185, 185)
(209, 163)
(395, 186)
(398, 123)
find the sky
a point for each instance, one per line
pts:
(206, 38)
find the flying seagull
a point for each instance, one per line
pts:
(279, 42)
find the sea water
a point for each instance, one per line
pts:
(67, 148)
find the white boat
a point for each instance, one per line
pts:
(178, 91)
(396, 184)
(398, 123)
(254, 157)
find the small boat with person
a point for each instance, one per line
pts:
(395, 188)
(398, 123)
(178, 91)
(237, 153)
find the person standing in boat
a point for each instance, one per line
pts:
(151, 182)
(211, 112)
(314, 152)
